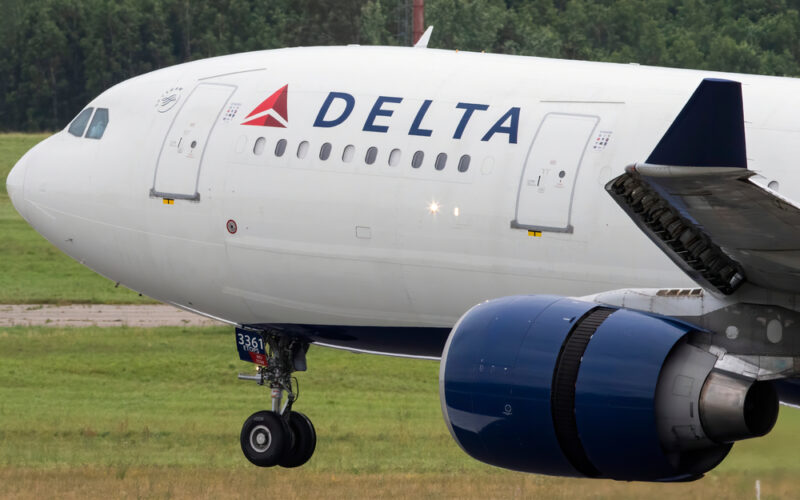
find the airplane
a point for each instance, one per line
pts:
(603, 257)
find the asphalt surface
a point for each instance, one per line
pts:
(100, 315)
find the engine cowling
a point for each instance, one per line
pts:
(558, 386)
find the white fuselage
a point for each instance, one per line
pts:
(343, 242)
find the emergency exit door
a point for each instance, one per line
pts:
(544, 199)
(181, 157)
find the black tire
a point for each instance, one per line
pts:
(265, 438)
(303, 444)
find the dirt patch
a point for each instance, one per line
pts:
(141, 316)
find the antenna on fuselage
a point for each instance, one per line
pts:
(422, 43)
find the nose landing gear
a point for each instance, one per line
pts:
(279, 436)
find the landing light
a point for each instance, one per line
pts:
(434, 207)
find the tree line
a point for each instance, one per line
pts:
(59, 54)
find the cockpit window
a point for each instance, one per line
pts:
(98, 125)
(78, 125)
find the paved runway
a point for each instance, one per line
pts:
(100, 315)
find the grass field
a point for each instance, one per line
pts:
(31, 269)
(157, 412)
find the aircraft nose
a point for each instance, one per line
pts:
(15, 185)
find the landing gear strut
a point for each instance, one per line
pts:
(279, 436)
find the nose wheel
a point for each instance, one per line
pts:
(270, 439)
(264, 438)
(304, 441)
(279, 436)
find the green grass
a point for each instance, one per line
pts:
(170, 396)
(31, 269)
(164, 406)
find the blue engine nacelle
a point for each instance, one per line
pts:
(558, 386)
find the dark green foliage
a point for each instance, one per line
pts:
(59, 54)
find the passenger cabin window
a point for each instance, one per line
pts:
(394, 157)
(280, 148)
(325, 151)
(258, 147)
(302, 149)
(348, 153)
(441, 161)
(416, 160)
(372, 154)
(463, 163)
(78, 125)
(98, 125)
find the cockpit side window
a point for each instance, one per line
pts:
(78, 125)
(99, 123)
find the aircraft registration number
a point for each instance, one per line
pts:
(251, 347)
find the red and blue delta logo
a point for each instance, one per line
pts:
(272, 112)
(337, 108)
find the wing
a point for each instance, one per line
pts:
(696, 199)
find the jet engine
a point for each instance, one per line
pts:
(564, 387)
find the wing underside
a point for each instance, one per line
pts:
(696, 199)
